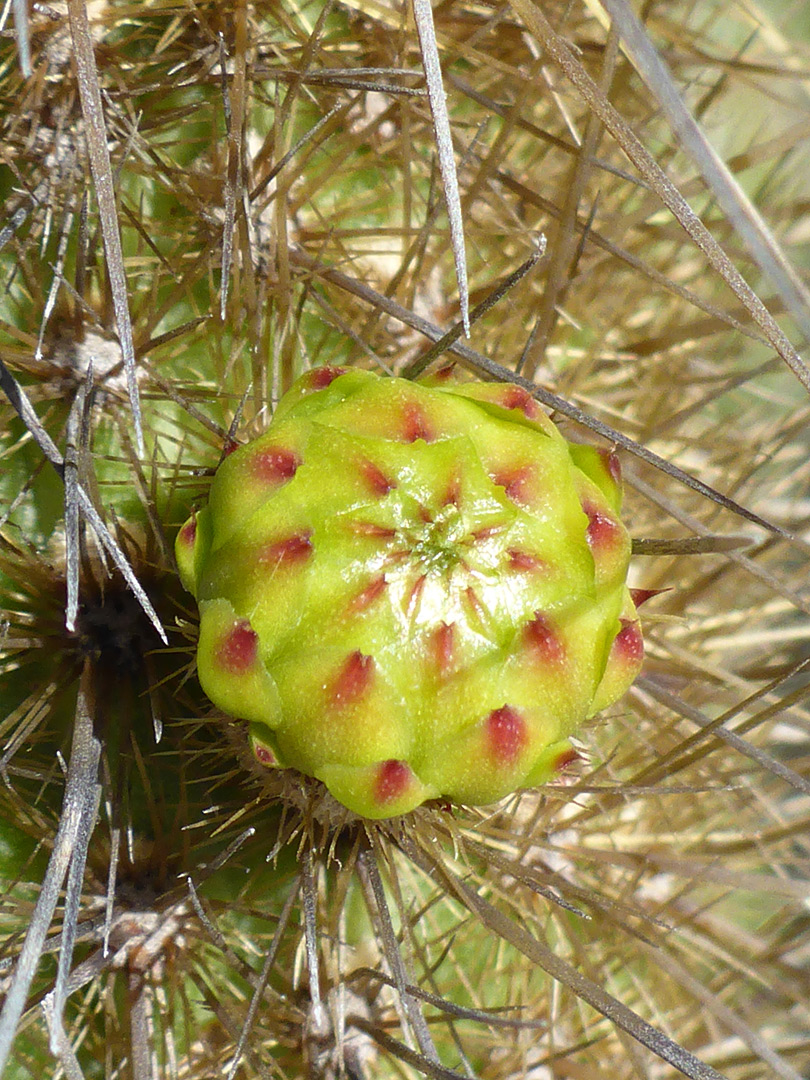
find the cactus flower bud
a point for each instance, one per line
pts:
(412, 591)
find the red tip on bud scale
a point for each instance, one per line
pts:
(353, 680)
(239, 648)
(415, 595)
(322, 377)
(602, 530)
(444, 374)
(474, 605)
(613, 465)
(628, 643)
(543, 640)
(415, 425)
(487, 532)
(515, 397)
(566, 758)
(516, 483)
(523, 561)
(188, 534)
(264, 755)
(506, 735)
(366, 597)
(275, 465)
(452, 497)
(392, 781)
(293, 549)
(375, 479)
(371, 530)
(641, 596)
(442, 648)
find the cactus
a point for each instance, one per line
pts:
(273, 167)
(412, 591)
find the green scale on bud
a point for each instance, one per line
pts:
(412, 591)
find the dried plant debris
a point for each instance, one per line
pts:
(201, 204)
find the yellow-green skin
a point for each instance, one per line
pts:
(412, 591)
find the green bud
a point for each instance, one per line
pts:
(412, 591)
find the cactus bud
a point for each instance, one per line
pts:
(412, 591)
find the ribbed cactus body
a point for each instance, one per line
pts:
(412, 591)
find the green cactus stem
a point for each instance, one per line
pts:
(412, 591)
